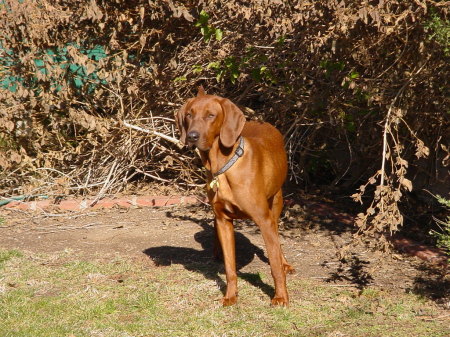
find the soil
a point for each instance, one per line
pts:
(184, 235)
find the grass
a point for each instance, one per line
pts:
(60, 295)
(7, 255)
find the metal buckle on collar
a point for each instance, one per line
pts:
(239, 152)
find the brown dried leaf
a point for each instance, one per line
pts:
(397, 195)
(357, 197)
(422, 151)
(406, 183)
(8, 124)
(15, 157)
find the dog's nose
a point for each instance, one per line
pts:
(193, 136)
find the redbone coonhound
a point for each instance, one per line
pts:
(247, 165)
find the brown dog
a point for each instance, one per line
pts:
(247, 166)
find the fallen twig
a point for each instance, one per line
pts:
(153, 132)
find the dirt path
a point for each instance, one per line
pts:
(183, 235)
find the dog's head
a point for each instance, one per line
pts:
(203, 118)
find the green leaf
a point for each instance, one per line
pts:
(197, 68)
(39, 63)
(206, 32)
(354, 75)
(219, 34)
(180, 78)
(78, 82)
(213, 65)
(219, 75)
(281, 39)
(203, 19)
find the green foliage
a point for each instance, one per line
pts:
(231, 67)
(443, 201)
(439, 31)
(206, 29)
(228, 68)
(349, 80)
(72, 72)
(180, 78)
(443, 237)
(331, 67)
(196, 68)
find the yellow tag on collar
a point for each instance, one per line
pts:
(214, 183)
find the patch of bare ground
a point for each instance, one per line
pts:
(184, 235)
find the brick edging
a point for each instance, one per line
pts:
(404, 245)
(124, 202)
(430, 254)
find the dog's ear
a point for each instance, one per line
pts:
(179, 121)
(201, 91)
(233, 123)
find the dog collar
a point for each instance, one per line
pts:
(237, 154)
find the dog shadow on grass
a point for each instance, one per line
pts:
(203, 261)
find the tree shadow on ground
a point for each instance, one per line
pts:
(310, 216)
(203, 261)
(352, 270)
(434, 284)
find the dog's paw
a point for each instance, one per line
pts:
(288, 269)
(227, 301)
(280, 301)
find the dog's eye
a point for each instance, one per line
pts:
(189, 115)
(211, 116)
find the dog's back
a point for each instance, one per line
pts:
(271, 152)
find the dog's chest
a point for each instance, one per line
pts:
(223, 194)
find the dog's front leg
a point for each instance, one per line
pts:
(225, 233)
